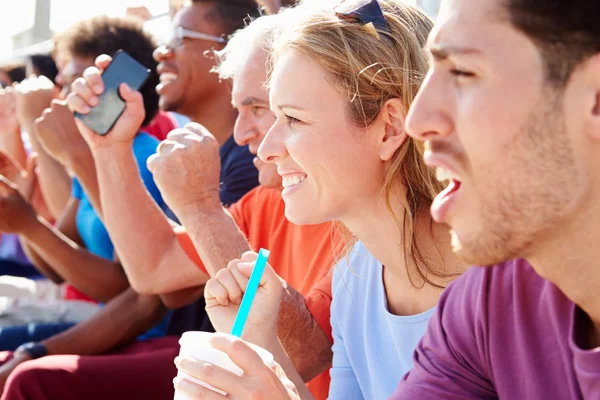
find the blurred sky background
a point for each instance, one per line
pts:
(18, 15)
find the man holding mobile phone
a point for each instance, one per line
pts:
(187, 87)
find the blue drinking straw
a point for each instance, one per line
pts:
(242, 315)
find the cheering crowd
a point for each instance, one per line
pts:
(427, 193)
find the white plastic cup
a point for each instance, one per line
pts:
(197, 345)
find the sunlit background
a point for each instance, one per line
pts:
(27, 25)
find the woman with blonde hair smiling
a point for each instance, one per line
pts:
(342, 83)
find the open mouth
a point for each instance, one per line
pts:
(444, 201)
(292, 182)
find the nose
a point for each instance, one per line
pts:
(429, 114)
(162, 53)
(244, 131)
(273, 146)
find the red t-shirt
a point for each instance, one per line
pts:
(161, 125)
(302, 255)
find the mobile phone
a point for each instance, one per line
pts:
(122, 69)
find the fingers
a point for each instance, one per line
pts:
(93, 78)
(240, 353)
(103, 61)
(81, 89)
(228, 281)
(77, 104)
(198, 129)
(151, 163)
(214, 291)
(196, 391)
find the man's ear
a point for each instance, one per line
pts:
(393, 117)
(592, 89)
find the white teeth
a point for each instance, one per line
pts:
(443, 175)
(167, 77)
(292, 180)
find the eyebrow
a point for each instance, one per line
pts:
(441, 53)
(248, 101)
(292, 107)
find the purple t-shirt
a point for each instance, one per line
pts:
(503, 332)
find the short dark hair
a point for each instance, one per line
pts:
(283, 3)
(567, 32)
(45, 65)
(17, 74)
(106, 35)
(231, 14)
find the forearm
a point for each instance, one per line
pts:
(215, 235)
(182, 298)
(38, 262)
(279, 354)
(302, 337)
(53, 179)
(95, 276)
(142, 234)
(120, 321)
(12, 144)
(85, 171)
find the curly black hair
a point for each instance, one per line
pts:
(106, 35)
(231, 15)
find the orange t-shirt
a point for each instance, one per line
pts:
(302, 255)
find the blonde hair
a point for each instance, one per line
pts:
(370, 68)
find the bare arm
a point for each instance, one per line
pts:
(12, 144)
(54, 252)
(54, 180)
(304, 341)
(122, 320)
(142, 235)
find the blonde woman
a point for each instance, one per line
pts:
(342, 83)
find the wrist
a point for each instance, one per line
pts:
(204, 203)
(31, 351)
(110, 150)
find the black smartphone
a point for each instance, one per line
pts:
(122, 69)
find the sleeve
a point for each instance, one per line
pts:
(239, 177)
(190, 250)
(143, 147)
(76, 189)
(344, 384)
(318, 302)
(451, 362)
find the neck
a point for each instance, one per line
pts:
(384, 239)
(568, 257)
(216, 114)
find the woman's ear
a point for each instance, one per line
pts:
(392, 116)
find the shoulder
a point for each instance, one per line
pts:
(353, 273)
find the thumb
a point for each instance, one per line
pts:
(133, 99)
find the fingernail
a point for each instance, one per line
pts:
(94, 101)
(85, 109)
(98, 89)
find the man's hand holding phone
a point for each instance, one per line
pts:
(85, 95)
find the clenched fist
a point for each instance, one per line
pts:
(186, 168)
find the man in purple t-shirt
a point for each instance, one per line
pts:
(510, 113)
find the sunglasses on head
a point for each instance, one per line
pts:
(363, 12)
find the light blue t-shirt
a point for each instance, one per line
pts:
(90, 227)
(372, 348)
